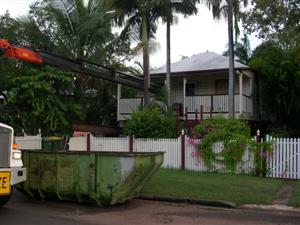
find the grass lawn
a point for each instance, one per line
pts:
(295, 199)
(240, 189)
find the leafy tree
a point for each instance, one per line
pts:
(40, 98)
(8, 30)
(275, 20)
(278, 71)
(75, 29)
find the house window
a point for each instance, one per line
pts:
(221, 87)
(190, 89)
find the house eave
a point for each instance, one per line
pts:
(198, 72)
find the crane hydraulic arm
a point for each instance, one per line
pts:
(77, 66)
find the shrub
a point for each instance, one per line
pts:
(150, 122)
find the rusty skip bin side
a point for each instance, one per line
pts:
(103, 178)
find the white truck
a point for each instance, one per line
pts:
(11, 167)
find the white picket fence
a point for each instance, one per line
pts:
(284, 160)
(109, 144)
(28, 142)
(194, 161)
(171, 147)
(173, 152)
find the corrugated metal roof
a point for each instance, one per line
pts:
(200, 62)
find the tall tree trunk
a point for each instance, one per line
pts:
(168, 80)
(145, 40)
(83, 103)
(231, 61)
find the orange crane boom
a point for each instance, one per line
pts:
(73, 65)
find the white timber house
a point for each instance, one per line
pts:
(200, 83)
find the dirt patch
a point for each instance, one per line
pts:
(284, 194)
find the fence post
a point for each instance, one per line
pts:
(88, 142)
(130, 143)
(259, 156)
(201, 112)
(177, 120)
(182, 136)
(186, 114)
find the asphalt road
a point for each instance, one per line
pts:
(23, 211)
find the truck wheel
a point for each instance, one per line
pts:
(4, 199)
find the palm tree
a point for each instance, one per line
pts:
(76, 29)
(242, 50)
(231, 10)
(137, 17)
(142, 16)
(167, 13)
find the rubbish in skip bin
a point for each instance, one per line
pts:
(51, 143)
(103, 178)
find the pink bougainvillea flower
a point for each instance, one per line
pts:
(262, 155)
(192, 141)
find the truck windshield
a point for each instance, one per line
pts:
(5, 146)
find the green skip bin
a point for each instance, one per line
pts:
(103, 178)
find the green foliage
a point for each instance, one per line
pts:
(242, 50)
(151, 123)
(219, 9)
(235, 136)
(278, 71)
(233, 133)
(78, 29)
(276, 20)
(40, 98)
(261, 150)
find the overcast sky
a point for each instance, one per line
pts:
(192, 35)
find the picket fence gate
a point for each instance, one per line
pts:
(284, 160)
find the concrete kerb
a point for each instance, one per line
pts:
(223, 204)
(214, 203)
(273, 207)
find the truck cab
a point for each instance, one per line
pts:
(12, 171)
